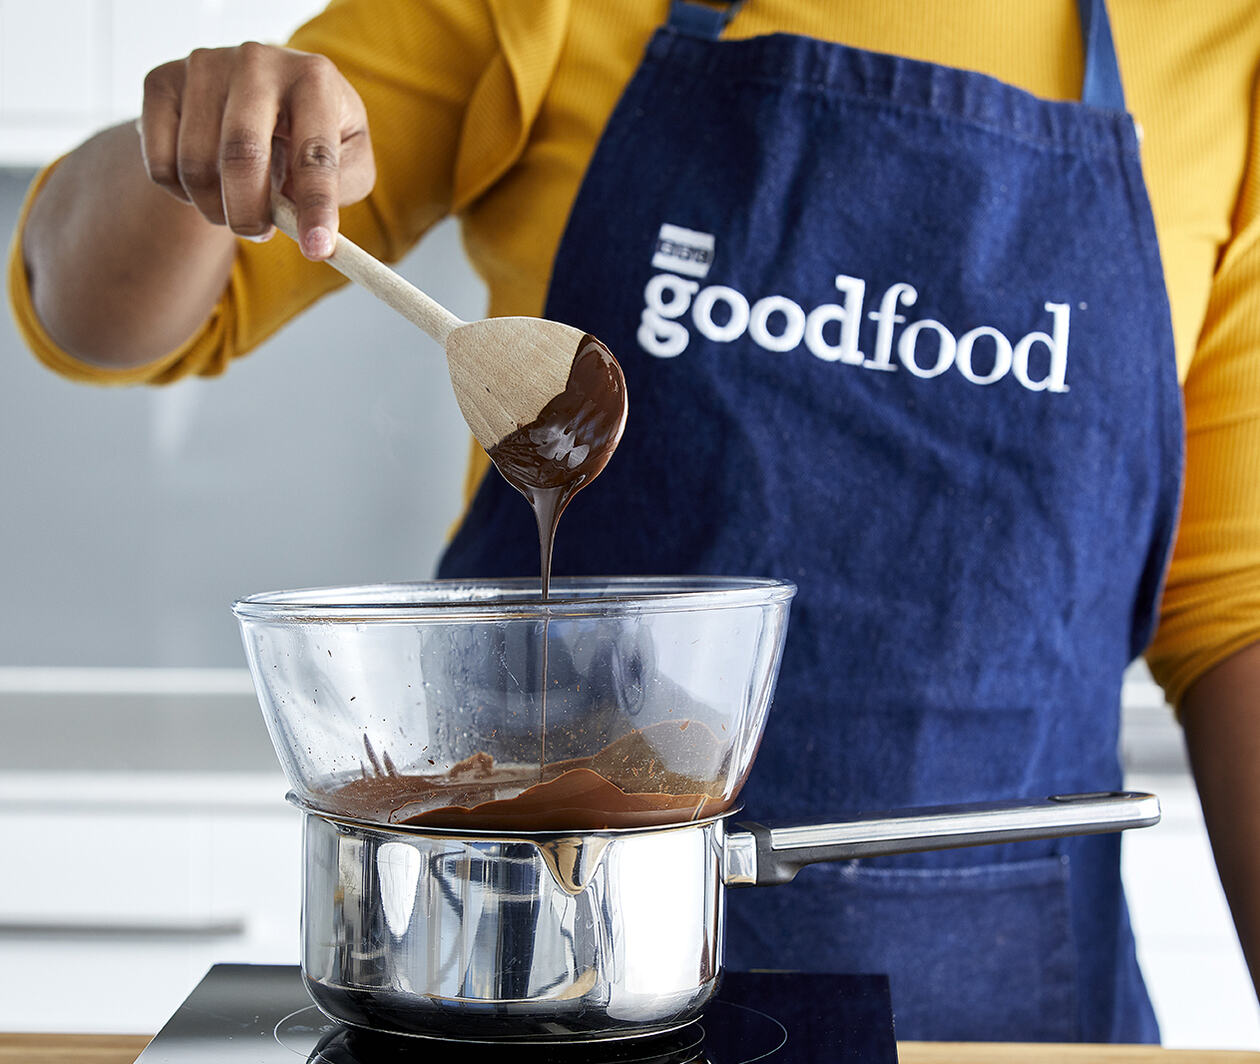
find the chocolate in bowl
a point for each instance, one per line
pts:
(668, 773)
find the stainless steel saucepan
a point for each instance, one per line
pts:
(585, 935)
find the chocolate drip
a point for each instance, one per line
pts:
(568, 444)
(548, 461)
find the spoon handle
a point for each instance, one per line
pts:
(372, 274)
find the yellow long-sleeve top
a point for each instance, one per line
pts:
(491, 109)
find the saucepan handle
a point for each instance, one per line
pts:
(763, 854)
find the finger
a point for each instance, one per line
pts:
(314, 154)
(201, 121)
(280, 165)
(159, 126)
(358, 166)
(245, 146)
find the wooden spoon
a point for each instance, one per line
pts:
(505, 371)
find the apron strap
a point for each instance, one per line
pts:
(697, 20)
(1101, 86)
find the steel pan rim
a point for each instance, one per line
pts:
(425, 831)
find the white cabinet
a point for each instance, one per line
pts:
(51, 62)
(117, 892)
(71, 67)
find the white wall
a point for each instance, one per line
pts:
(133, 517)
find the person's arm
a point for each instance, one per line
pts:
(1221, 715)
(452, 94)
(1206, 650)
(120, 272)
(130, 241)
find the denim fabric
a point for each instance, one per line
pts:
(898, 333)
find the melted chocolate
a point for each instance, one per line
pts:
(627, 784)
(567, 446)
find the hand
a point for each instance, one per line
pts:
(219, 127)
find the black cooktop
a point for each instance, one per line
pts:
(260, 1014)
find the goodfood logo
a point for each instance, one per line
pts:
(834, 332)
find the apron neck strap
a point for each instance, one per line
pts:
(697, 20)
(1101, 86)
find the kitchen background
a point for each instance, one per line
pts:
(144, 830)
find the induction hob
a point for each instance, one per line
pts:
(260, 1014)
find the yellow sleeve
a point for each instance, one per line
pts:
(1211, 606)
(450, 88)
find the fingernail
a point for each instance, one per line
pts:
(319, 243)
(261, 238)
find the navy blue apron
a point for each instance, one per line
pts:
(896, 332)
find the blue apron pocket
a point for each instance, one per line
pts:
(978, 953)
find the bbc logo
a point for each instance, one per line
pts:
(684, 251)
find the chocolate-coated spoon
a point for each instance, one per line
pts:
(506, 372)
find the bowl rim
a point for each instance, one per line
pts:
(444, 601)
